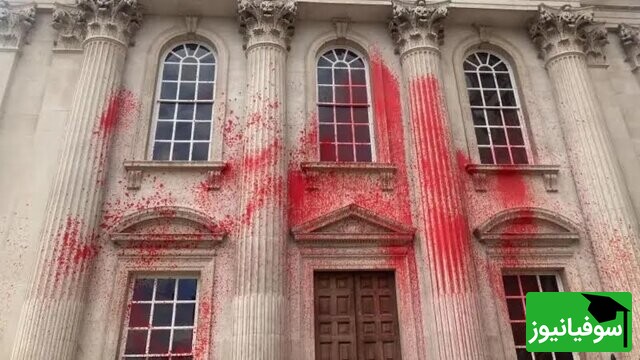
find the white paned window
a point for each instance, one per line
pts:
(516, 288)
(344, 107)
(495, 110)
(184, 104)
(160, 319)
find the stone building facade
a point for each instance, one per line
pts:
(311, 179)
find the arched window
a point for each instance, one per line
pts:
(184, 104)
(345, 132)
(495, 110)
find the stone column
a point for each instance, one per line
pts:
(456, 332)
(611, 223)
(630, 38)
(52, 313)
(15, 23)
(259, 303)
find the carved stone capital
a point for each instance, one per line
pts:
(630, 38)
(267, 21)
(417, 25)
(15, 23)
(557, 31)
(113, 19)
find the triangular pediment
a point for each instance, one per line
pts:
(353, 223)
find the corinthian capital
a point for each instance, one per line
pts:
(417, 25)
(114, 19)
(630, 38)
(267, 21)
(15, 23)
(567, 30)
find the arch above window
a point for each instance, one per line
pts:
(496, 112)
(344, 107)
(183, 110)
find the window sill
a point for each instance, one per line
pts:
(480, 172)
(135, 170)
(385, 171)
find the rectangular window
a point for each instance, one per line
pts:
(516, 288)
(160, 319)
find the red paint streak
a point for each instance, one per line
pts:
(201, 348)
(75, 249)
(121, 105)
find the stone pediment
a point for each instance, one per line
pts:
(167, 227)
(354, 224)
(528, 227)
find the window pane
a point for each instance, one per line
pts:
(325, 94)
(529, 283)
(507, 98)
(172, 58)
(165, 289)
(544, 356)
(361, 134)
(185, 313)
(162, 315)
(515, 136)
(185, 111)
(359, 95)
(206, 73)
(341, 76)
(324, 76)
(166, 110)
(358, 77)
(478, 117)
(342, 95)
(511, 287)
(170, 72)
(486, 156)
(324, 62)
(345, 152)
(487, 81)
(202, 131)
(522, 354)
(519, 155)
(564, 356)
(326, 133)
(200, 152)
(183, 131)
(472, 80)
(180, 51)
(181, 151)
(168, 90)
(136, 342)
(549, 283)
(482, 136)
(491, 98)
(325, 113)
(205, 91)
(475, 97)
(498, 137)
(511, 117)
(139, 315)
(363, 153)
(519, 333)
(203, 111)
(504, 81)
(187, 289)
(357, 64)
(187, 91)
(164, 130)
(502, 155)
(159, 341)
(191, 48)
(161, 151)
(188, 72)
(182, 340)
(344, 133)
(327, 152)
(516, 309)
(361, 115)
(343, 114)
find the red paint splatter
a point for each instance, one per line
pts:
(123, 104)
(201, 348)
(75, 248)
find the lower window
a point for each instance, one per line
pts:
(160, 319)
(516, 288)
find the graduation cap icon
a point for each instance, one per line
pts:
(604, 308)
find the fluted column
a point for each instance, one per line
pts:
(15, 23)
(603, 196)
(630, 38)
(417, 32)
(53, 310)
(259, 303)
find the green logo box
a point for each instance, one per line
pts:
(578, 322)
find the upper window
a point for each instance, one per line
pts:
(344, 107)
(160, 319)
(495, 109)
(184, 104)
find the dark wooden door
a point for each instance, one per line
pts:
(356, 316)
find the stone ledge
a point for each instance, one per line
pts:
(167, 241)
(385, 171)
(479, 173)
(135, 170)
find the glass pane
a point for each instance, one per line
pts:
(185, 314)
(143, 289)
(325, 114)
(161, 151)
(182, 340)
(516, 309)
(344, 133)
(190, 60)
(324, 76)
(172, 58)
(185, 111)
(181, 151)
(159, 341)
(483, 57)
(205, 91)
(200, 152)
(187, 91)
(478, 117)
(491, 98)
(191, 48)
(361, 134)
(486, 156)
(502, 155)
(564, 356)
(183, 131)
(168, 90)
(350, 56)
(511, 117)
(206, 73)
(359, 95)
(170, 72)
(468, 66)
(504, 81)
(487, 80)
(544, 356)
(341, 76)
(343, 114)
(325, 94)
(188, 72)
(180, 51)
(519, 333)
(501, 67)
(507, 98)
(342, 95)
(327, 152)
(472, 80)
(493, 60)
(363, 153)
(357, 64)
(549, 283)
(498, 137)
(515, 136)
(139, 315)
(519, 155)
(209, 59)
(340, 53)
(164, 130)
(326, 133)
(162, 314)
(493, 116)
(511, 287)
(522, 354)
(136, 342)
(482, 136)
(361, 115)
(345, 152)
(475, 98)
(329, 55)
(201, 51)
(324, 62)
(529, 283)
(165, 289)
(358, 77)
(203, 111)
(166, 110)
(202, 131)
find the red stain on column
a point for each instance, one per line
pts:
(74, 249)
(202, 332)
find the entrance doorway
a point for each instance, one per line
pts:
(356, 316)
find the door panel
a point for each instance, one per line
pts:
(356, 316)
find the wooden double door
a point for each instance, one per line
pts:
(356, 316)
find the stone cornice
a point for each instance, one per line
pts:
(15, 23)
(557, 31)
(417, 25)
(267, 21)
(112, 19)
(630, 38)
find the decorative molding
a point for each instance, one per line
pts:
(191, 22)
(417, 26)
(341, 27)
(557, 31)
(630, 39)
(135, 170)
(267, 21)
(166, 227)
(480, 172)
(117, 20)
(353, 225)
(385, 171)
(527, 227)
(15, 23)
